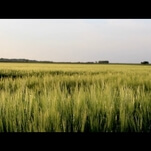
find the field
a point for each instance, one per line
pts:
(38, 97)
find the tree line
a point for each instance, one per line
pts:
(36, 61)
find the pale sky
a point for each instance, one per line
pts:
(115, 40)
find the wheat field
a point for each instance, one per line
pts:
(38, 97)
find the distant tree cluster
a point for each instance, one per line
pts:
(89, 62)
(103, 62)
(145, 62)
(35, 61)
(22, 60)
(16, 60)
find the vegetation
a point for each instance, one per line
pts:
(36, 61)
(145, 62)
(103, 62)
(22, 60)
(74, 98)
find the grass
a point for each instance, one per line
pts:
(74, 98)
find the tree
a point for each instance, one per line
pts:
(145, 62)
(103, 62)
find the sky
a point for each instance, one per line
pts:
(76, 40)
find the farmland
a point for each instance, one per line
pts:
(45, 97)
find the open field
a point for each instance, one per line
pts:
(38, 97)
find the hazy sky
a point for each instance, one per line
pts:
(116, 40)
